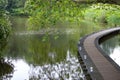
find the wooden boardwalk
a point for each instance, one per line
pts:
(97, 66)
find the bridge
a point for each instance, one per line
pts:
(96, 65)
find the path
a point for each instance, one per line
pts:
(97, 65)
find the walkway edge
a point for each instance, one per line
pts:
(90, 69)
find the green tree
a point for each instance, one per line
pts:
(50, 12)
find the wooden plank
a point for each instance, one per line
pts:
(106, 70)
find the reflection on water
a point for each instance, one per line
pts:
(51, 56)
(34, 58)
(112, 48)
(6, 69)
(68, 69)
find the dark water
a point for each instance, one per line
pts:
(33, 55)
(112, 48)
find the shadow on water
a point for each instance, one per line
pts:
(6, 69)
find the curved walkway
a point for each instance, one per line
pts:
(94, 64)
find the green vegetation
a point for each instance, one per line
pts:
(75, 19)
(5, 68)
(48, 13)
(103, 13)
(4, 24)
(16, 7)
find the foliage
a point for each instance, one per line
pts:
(4, 23)
(3, 4)
(15, 7)
(103, 13)
(18, 12)
(4, 27)
(49, 12)
(109, 1)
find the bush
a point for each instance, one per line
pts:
(4, 26)
(103, 13)
(48, 13)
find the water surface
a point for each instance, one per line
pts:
(34, 55)
(112, 48)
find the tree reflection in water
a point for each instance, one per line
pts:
(68, 69)
(6, 69)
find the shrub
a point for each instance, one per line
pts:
(103, 13)
(4, 25)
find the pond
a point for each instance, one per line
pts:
(34, 55)
(111, 47)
